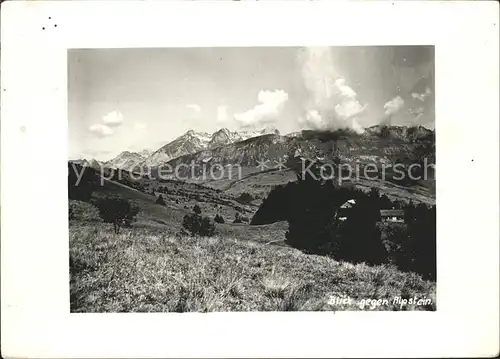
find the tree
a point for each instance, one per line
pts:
(312, 215)
(197, 225)
(386, 203)
(160, 200)
(409, 215)
(384, 131)
(360, 238)
(245, 198)
(197, 209)
(374, 193)
(118, 211)
(237, 218)
(422, 232)
(275, 207)
(244, 219)
(218, 219)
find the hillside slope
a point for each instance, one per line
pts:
(146, 271)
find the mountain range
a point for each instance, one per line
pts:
(378, 143)
(189, 142)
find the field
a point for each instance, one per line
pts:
(145, 270)
(260, 183)
(151, 267)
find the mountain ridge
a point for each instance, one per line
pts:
(223, 146)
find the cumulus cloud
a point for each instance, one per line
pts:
(113, 119)
(348, 106)
(394, 105)
(422, 96)
(417, 112)
(331, 102)
(269, 107)
(193, 107)
(101, 130)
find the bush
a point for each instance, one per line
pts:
(160, 200)
(118, 211)
(237, 218)
(218, 219)
(196, 225)
(396, 241)
(83, 211)
(245, 198)
(197, 209)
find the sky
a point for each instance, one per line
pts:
(136, 99)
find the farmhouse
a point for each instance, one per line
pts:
(386, 215)
(392, 215)
(345, 209)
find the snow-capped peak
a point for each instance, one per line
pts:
(192, 142)
(255, 133)
(126, 160)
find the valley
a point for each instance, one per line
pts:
(255, 267)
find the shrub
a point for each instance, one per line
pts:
(83, 211)
(160, 200)
(196, 225)
(396, 241)
(197, 209)
(245, 198)
(118, 211)
(218, 219)
(237, 218)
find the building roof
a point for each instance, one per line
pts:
(391, 212)
(349, 203)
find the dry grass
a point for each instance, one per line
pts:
(145, 270)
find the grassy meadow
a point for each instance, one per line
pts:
(145, 269)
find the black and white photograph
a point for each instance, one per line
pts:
(226, 179)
